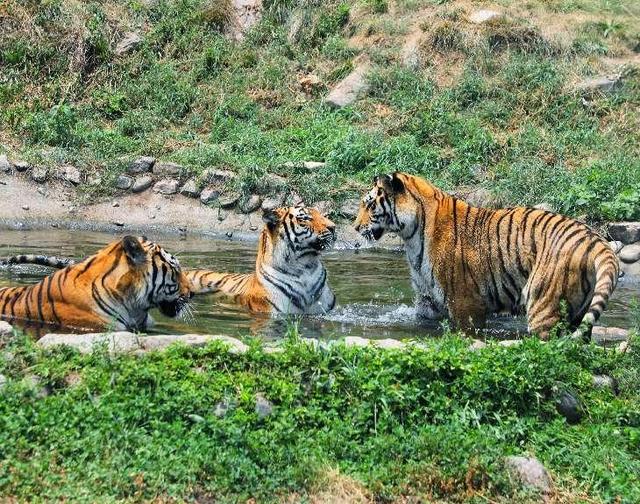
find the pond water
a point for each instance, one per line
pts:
(372, 286)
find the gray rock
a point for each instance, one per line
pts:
(569, 407)
(350, 208)
(272, 202)
(39, 174)
(599, 85)
(477, 197)
(250, 204)
(605, 382)
(296, 199)
(214, 176)
(6, 329)
(229, 200)
(21, 166)
(602, 334)
(166, 169)
(71, 174)
(5, 165)
(223, 407)
(141, 165)
(129, 43)
(547, 207)
(510, 342)
(625, 232)
(356, 341)
(630, 269)
(616, 246)
(166, 186)
(209, 194)
(389, 344)
(324, 207)
(531, 472)
(264, 407)
(245, 14)
(477, 345)
(630, 253)
(142, 183)
(350, 88)
(190, 189)
(124, 182)
(484, 16)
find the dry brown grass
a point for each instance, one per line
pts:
(334, 488)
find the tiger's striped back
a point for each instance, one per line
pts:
(468, 262)
(289, 276)
(115, 287)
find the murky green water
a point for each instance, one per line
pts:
(372, 287)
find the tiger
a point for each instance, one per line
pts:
(289, 277)
(468, 262)
(115, 288)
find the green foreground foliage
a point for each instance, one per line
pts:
(433, 422)
(509, 120)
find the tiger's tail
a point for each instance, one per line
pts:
(41, 260)
(204, 281)
(607, 274)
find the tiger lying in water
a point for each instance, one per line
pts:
(469, 262)
(116, 288)
(289, 276)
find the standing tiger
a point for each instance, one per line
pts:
(468, 262)
(289, 276)
(116, 288)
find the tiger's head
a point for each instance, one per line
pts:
(154, 277)
(382, 207)
(303, 230)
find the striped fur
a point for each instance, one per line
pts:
(468, 262)
(115, 288)
(289, 276)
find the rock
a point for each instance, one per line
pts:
(246, 13)
(166, 186)
(531, 472)
(484, 16)
(477, 345)
(547, 207)
(217, 177)
(21, 166)
(625, 232)
(602, 334)
(229, 200)
(296, 199)
(630, 269)
(118, 223)
(477, 197)
(264, 407)
(209, 194)
(115, 204)
(569, 407)
(510, 342)
(129, 43)
(160, 342)
(605, 382)
(124, 182)
(141, 165)
(356, 341)
(5, 165)
(25, 207)
(349, 88)
(350, 208)
(272, 202)
(388, 344)
(71, 174)
(39, 174)
(6, 329)
(142, 183)
(73, 379)
(616, 246)
(295, 24)
(630, 253)
(165, 169)
(324, 207)
(190, 189)
(222, 408)
(599, 85)
(250, 204)
(410, 52)
(310, 83)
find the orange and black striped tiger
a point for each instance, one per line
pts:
(468, 262)
(114, 288)
(289, 276)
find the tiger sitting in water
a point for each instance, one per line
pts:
(469, 262)
(114, 288)
(289, 276)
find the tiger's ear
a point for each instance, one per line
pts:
(391, 183)
(136, 255)
(271, 218)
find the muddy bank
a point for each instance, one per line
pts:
(24, 205)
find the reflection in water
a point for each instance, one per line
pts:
(372, 287)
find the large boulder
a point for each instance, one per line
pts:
(625, 232)
(350, 88)
(630, 253)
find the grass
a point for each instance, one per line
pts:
(190, 95)
(430, 423)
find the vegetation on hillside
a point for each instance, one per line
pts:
(349, 424)
(490, 105)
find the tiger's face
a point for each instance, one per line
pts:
(379, 208)
(305, 230)
(157, 276)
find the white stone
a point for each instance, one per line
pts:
(116, 342)
(388, 343)
(209, 194)
(531, 472)
(510, 342)
(616, 246)
(350, 88)
(356, 341)
(39, 174)
(71, 174)
(5, 328)
(477, 345)
(250, 204)
(484, 16)
(630, 253)
(166, 186)
(129, 42)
